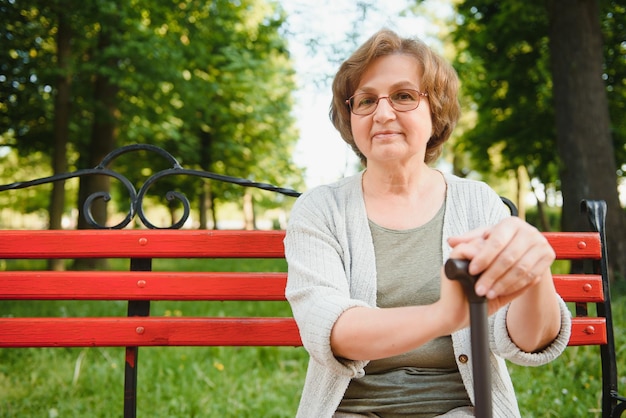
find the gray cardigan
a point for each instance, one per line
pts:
(331, 268)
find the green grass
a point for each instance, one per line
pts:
(173, 382)
(571, 386)
(233, 381)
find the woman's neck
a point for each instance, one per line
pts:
(403, 200)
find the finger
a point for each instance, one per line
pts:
(523, 274)
(514, 253)
(497, 267)
(496, 240)
(467, 237)
(466, 251)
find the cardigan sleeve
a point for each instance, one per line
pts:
(482, 206)
(317, 285)
(506, 348)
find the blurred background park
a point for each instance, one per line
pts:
(242, 88)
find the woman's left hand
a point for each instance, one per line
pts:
(511, 257)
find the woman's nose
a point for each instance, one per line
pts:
(384, 111)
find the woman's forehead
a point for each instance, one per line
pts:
(391, 72)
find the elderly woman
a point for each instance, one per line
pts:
(387, 333)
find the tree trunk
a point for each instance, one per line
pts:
(206, 204)
(520, 179)
(249, 219)
(207, 200)
(213, 210)
(61, 129)
(103, 136)
(103, 141)
(541, 213)
(588, 168)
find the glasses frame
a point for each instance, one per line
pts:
(419, 96)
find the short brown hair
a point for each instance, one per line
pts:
(439, 80)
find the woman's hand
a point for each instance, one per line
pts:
(510, 257)
(513, 259)
(455, 296)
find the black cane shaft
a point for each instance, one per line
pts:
(479, 331)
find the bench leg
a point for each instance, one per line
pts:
(130, 382)
(135, 308)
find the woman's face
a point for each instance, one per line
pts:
(388, 135)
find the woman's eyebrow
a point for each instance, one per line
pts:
(394, 87)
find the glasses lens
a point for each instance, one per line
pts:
(363, 103)
(401, 100)
(404, 100)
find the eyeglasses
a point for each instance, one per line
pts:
(363, 104)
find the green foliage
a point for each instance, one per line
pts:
(503, 62)
(614, 32)
(211, 82)
(503, 65)
(29, 200)
(571, 386)
(552, 214)
(26, 40)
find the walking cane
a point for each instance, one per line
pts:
(479, 330)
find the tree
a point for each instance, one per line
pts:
(105, 112)
(173, 74)
(62, 107)
(510, 93)
(534, 80)
(583, 124)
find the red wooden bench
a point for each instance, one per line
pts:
(140, 286)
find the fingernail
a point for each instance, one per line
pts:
(491, 294)
(480, 290)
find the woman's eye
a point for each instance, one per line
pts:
(367, 101)
(403, 96)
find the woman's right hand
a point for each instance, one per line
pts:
(454, 304)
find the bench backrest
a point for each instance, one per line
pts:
(142, 246)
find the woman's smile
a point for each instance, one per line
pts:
(385, 135)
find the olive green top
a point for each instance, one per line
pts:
(424, 382)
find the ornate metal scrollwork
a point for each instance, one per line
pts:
(136, 197)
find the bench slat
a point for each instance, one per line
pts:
(588, 331)
(579, 287)
(125, 285)
(141, 243)
(203, 243)
(148, 331)
(188, 331)
(575, 245)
